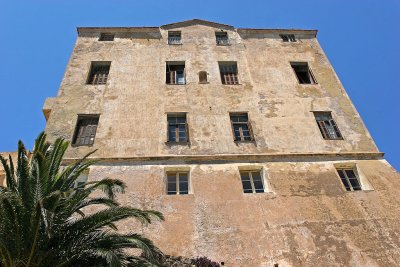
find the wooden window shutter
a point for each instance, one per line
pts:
(338, 134)
(172, 76)
(250, 131)
(187, 131)
(324, 131)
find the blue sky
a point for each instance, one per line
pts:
(361, 39)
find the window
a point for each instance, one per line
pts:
(229, 72)
(203, 77)
(174, 38)
(177, 128)
(349, 179)
(252, 181)
(99, 72)
(81, 180)
(241, 127)
(85, 130)
(175, 73)
(288, 38)
(303, 73)
(222, 38)
(106, 37)
(177, 183)
(327, 125)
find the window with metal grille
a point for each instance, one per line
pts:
(85, 130)
(174, 38)
(252, 181)
(288, 38)
(175, 73)
(222, 38)
(303, 73)
(106, 37)
(349, 179)
(241, 127)
(327, 125)
(177, 128)
(229, 72)
(177, 183)
(99, 72)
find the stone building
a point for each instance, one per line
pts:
(244, 139)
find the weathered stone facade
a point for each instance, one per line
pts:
(305, 217)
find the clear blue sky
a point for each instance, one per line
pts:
(361, 39)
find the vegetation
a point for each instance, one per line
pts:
(42, 218)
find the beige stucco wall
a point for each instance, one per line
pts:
(305, 219)
(134, 103)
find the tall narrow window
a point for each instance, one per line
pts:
(288, 38)
(175, 73)
(174, 38)
(222, 38)
(99, 72)
(252, 181)
(228, 72)
(349, 179)
(106, 37)
(303, 73)
(241, 127)
(177, 128)
(177, 183)
(85, 130)
(327, 125)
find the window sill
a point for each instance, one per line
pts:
(168, 143)
(223, 44)
(333, 139)
(232, 84)
(176, 83)
(308, 84)
(203, 82)
(175, 44)
(74, 145)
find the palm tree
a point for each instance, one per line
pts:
(42, 222)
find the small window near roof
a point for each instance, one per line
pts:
(252, 181)
(177, 128)
(175, 73)
(203, 77)
(99, 72)
(349, 179)
(85, 130)
(241, 127)
(228, 72)
(174, 38)
(327, 126)
(288, 38)
(222, 38)
(303, 73)
(106, 37)
(177, 183)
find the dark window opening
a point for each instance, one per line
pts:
(174, 38)
(288, 38)
(175, 73)
(106, 37)
(177, 128)
(222, 38)
(85, 130)
(228, 72)
(303, 73)
(349, 179)
(99, 72)
(327, 125)
(252, 181)
(203, 77)
(177, 183)
(241, 127)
